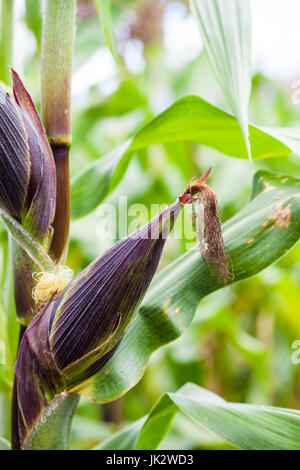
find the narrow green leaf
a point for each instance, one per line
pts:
(125, 439)
(6, 39)
(190, 118)
(161, 416)
(91, 186)
(33, 20)
(4, 444)
(263, 231)
(225, 29)
(104, 7)
(52, 431)
(245, 426)
(87, 41)
(125, 99)
(26, 241)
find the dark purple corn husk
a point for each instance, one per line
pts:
(101, 300)
(15, 168)
(27, 169)
(35, 378)
(14, 157)
(77, 332)
(39, 208)
(27, 184)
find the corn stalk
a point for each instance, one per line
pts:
(57, 49)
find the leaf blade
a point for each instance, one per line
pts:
(242, 425)
(190, 118)
(52, 430)
(4, 444)
(225, 29)
(103, 7)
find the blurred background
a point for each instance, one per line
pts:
(240, 342)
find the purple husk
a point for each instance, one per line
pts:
(14, 157)
(41, 191)
(27, 169)
(78, 331)
(27, 184)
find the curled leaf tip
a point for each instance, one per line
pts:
(207, 225)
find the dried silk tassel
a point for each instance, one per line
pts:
(207, 225)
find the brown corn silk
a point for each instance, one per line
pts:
(207, 225)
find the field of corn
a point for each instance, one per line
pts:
(149, 225)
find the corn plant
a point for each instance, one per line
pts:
(92, 335)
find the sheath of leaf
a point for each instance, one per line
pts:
(27, 183)
(77, 332)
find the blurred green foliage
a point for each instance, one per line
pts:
(239, 344)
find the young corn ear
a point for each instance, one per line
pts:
(77, 331)
(27, 169)
(27, 184)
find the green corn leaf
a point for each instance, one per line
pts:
(91, 186)
(225, 29)
(124, 439)
(103, 7)
(289, 136)
(190, 118)
(4, 444)
(242, 425)
(52, 431)
(263, 231)
(87, 41)
(125, 99)
(33, 20)
(27, 242)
